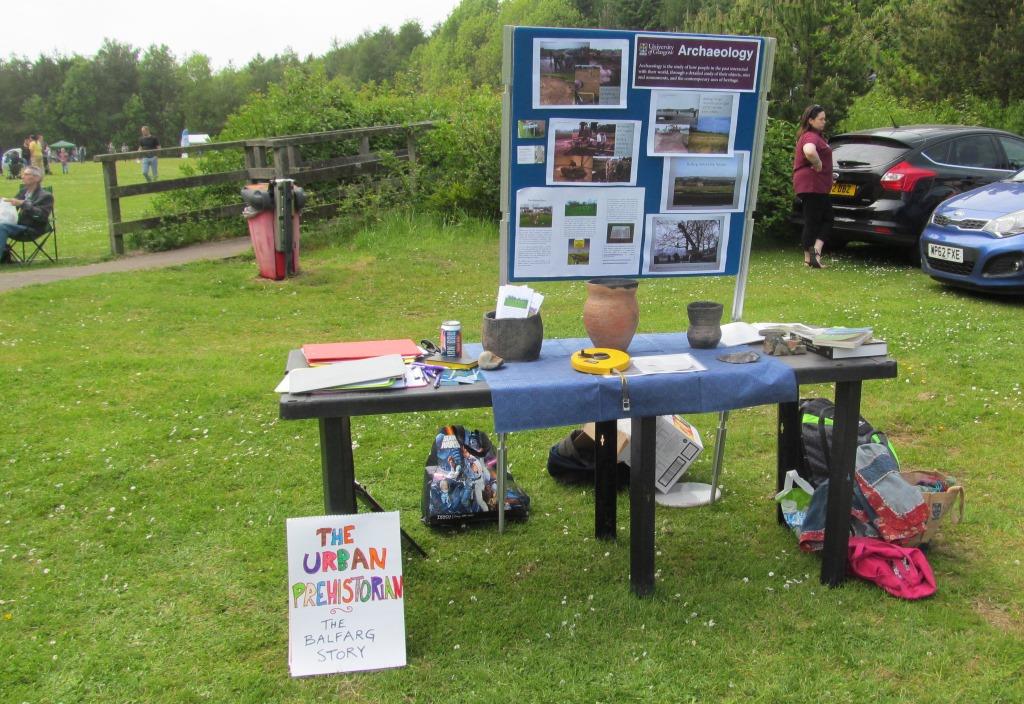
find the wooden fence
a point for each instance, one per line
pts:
(265, 159)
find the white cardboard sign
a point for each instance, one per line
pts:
(346, 607)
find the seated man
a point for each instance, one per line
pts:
(34, 208)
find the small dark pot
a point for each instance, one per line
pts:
(705, 324)
(513, 339)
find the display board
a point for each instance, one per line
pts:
(629, 154)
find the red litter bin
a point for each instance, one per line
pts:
(261, 214)
(261, 232)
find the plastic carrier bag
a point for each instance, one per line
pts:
(460, 481)
(8, 213)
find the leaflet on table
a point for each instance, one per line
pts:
(704, 183)
(593, 152)
(690, 122)
(677, 244)
(580, 74)
(663, 364)
(578, 232)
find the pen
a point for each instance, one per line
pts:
(437, 380)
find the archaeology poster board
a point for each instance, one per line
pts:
(346, 607)
(628, 154)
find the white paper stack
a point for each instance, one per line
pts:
(363, 372)
(517, 302)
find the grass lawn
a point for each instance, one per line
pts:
(147, 478)
(81, 210)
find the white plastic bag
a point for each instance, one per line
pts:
(8, 213)
(794, 498)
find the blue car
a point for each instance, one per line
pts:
(976, 240)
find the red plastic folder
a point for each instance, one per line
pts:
(339, 351)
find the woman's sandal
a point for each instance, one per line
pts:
(815, 261)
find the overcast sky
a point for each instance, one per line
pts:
(225, 31)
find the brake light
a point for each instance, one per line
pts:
(904, 176)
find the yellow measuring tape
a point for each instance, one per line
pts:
(599, 360)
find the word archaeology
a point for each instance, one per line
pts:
(347, 590)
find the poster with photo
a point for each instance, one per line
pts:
(684, 122)
(694, 243)
(571, 232)
(593, 152)
(704, 183)
(580, 73)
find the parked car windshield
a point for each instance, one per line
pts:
(847, 153)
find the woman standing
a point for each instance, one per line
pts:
(812, 180)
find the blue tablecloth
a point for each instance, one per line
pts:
(549, 392)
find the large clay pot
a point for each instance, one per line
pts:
(513, 339)
(705, 324)
(611, 312)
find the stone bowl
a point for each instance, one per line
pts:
(513, 339)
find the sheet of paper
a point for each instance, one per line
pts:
(739, 333)
(663, 364)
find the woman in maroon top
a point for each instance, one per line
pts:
(812, 180)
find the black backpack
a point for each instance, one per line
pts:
(817, 415)
(460, 481)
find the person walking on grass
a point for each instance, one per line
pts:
(149, 163)
(812, 181)
(64, 157)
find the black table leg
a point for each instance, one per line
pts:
(641, 505)
(840, 483)
(605, 476)
(338, 468)
(788, 453)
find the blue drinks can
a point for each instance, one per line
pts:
(451, 338)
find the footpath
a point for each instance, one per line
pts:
(13, 276)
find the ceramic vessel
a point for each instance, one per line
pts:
(705, 324)
(513, 339)
(611, 312)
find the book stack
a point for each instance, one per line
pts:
(844, 343)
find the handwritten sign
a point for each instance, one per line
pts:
(346, 607)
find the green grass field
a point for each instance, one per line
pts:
(81, 211)
(147, 478)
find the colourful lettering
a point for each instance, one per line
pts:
(323, 533)
(359, 559)
(316, 566)
(329, 562)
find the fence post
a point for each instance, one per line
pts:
(410, 146)
(113, 206)
(255, 158)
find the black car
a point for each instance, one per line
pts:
(888, 180)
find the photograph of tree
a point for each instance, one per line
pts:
(680, 243)
(579, 74)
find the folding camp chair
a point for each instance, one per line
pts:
(26, 247)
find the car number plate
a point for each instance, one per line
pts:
(949, 254)
(843, 189)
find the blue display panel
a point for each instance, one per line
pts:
(629, 153)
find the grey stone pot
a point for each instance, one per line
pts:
(705, 324)
(513, 339)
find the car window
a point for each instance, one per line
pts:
(853, 153)
(1014, 149)
(939, 153)
(976, 150)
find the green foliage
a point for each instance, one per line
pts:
(375, 56)
(775, 191)
(147, 478)
(882, 107)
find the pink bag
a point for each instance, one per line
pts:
(903, 572)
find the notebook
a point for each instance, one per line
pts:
(321, 353)
(330, 376)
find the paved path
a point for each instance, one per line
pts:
(13, 276)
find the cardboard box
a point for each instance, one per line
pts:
(678, 442)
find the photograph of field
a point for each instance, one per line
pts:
(679, 242)
(581, 208)
(530, 216)
(579, 252)
(579, 73)
(706, 183)
(690, 122)
(620, 233)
